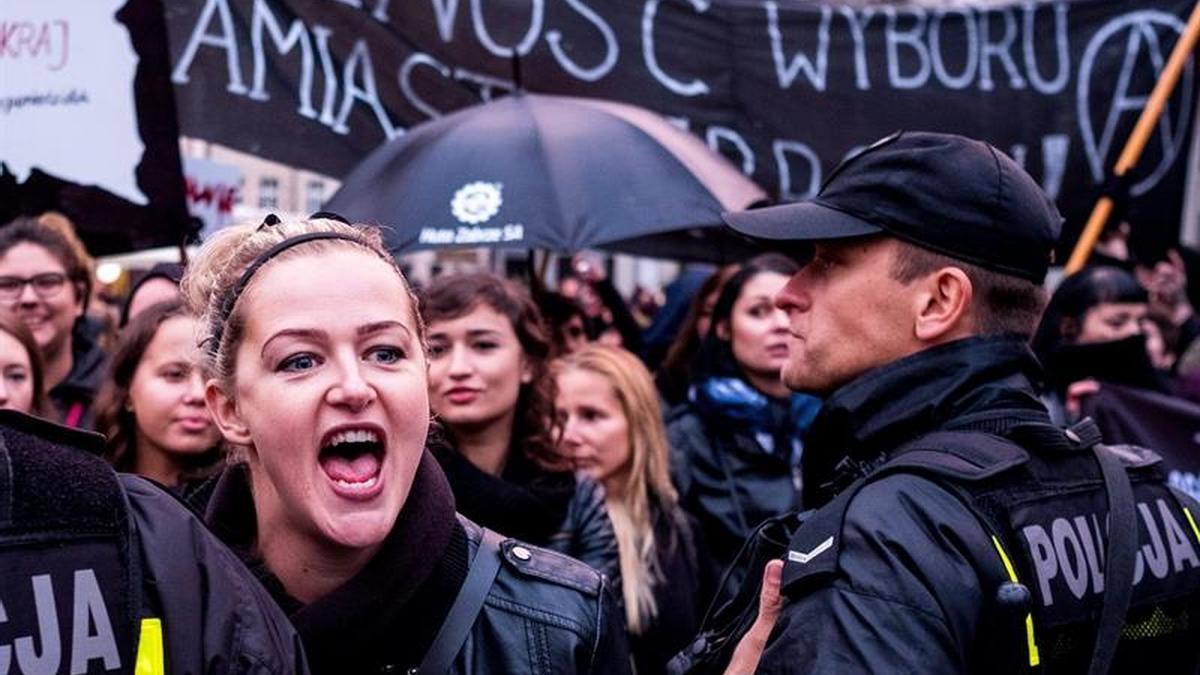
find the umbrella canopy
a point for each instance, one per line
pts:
(550, 172)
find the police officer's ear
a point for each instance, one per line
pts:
(225, 413)
(942, 306)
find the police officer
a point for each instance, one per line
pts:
(954, 528)
(108, 574)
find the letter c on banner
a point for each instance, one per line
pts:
(696, 87)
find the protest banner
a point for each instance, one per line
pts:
(87, 120)
(1168, 425)
(785, 89)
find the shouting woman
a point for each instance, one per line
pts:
(318, 377)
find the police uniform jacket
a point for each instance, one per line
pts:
(108, 574)
(544, 612)
(906, 579)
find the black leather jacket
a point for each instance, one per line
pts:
(587, 533)
(560, 511)
(545, 614)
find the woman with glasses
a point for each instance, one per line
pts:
(45, 284)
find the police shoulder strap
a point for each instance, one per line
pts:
(453, 634)
(1120, 555)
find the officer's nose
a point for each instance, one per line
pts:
(794, 297)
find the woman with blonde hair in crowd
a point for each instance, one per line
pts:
(611, 425)
(318, 375)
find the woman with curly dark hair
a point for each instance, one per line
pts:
(151, 409)
(488, 385)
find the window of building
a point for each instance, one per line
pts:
(268, 193)
(314, 197)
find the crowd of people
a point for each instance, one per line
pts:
(360, 444)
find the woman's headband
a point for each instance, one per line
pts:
(226, 311)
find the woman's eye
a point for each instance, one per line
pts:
(174, 374)
(485, 346)
(386, 354)
(298, 363)
(17, 376)
(436, 350)
(759, 311)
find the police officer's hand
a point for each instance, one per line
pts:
(750, 648)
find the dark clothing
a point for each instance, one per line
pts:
(682, 593)
(914, 569)
(135, 555)
(732, 472)
(543, 614)
(622, 318)
(1168, 424)
(73, 397)
(1123, 362)
(558, 510)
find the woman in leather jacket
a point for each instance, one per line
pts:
(738, 438)
(488, 351)
(321, 388)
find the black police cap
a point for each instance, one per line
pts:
(949, 194)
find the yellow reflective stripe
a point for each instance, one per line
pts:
(150, 659)
(1195, 530)
(1034, 657)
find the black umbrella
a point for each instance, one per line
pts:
(554, 173)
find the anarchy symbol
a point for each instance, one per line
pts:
(1143, 33)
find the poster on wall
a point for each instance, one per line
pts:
(784, 88)
(87, 119)
(212, 192)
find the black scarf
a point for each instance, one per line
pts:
(525, 502)
(390, 611)
(1123, 362)
(979, 383)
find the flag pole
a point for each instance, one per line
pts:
(1138, 139)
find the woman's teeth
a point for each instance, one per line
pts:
(354, 436)
(362, 485)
